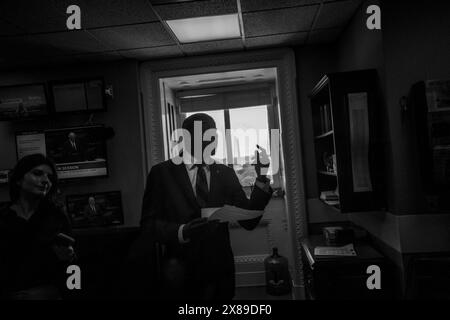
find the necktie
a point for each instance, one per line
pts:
(201, 186)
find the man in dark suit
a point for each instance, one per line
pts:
(92, 211)
(73, 149)
(197, 260)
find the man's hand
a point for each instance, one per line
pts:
(195, 228)
(264, 164)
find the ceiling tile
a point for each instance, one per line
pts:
(133, 37)
(152, 53)
(104, 56)
(50, 15)
(324, 36)
(279, 21)
(196, 9)
(157, 2)
(103, 13)
(9, 29)
(34, 16)
(72, 42)
(336, 14)
(257, 5)
(213, 46)
(277, 40)
(26, 47)
(39, 62)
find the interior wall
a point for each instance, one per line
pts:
(124, 150)
(412, 46)
(416, 47)
(411, 52)
(360, 48)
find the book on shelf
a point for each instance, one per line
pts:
(441, 164)
(327, 125)
(329, 196)
(332, 202)
(322, 119)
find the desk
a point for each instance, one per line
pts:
(330, 277)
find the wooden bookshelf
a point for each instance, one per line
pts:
(345, 140)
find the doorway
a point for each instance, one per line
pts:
(240, 91)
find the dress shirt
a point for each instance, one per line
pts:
(192, 170)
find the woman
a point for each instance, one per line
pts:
(32, 261)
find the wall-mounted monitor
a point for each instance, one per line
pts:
(77, 152)
(75, 96)
(20, 102)
(95, 209)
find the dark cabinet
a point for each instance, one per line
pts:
(332, 277)
(348, 149)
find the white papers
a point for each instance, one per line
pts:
(230, 214)
(207, 212)
(30, 143)
(345, 251)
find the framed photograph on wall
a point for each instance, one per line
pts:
(98, 209)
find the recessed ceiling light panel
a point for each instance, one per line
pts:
(206, 28)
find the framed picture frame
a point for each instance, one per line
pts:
(25, 101)
(97, 209)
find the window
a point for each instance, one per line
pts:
(248, 127)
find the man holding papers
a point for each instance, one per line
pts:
(197, 260)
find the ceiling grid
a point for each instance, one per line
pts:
(35, 32)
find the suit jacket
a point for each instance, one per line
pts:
(169, 201)
(88, 212)
(72, 155)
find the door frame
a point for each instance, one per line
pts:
(284, 61)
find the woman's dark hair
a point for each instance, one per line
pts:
(26, 164)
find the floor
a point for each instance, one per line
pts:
(257, 293)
